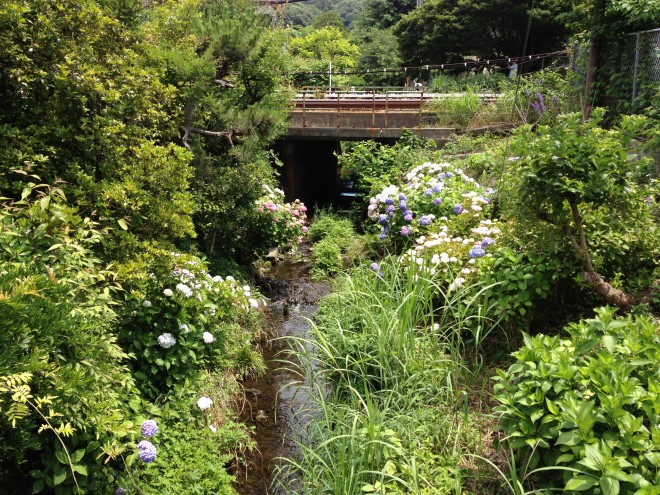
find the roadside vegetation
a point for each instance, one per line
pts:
(500, 335)
(493, 326)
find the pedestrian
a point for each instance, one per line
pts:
(513, 68)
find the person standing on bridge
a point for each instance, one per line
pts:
(512, 65)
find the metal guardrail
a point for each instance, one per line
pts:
(378, 103)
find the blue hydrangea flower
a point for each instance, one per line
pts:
(438, 187)
(382, 235)
(487, 242)
(402, 197)
(403, 204)
(408, 216)
(147, 451)
(374, 266)
(448, 175)
(458, 209)
(489, 190)
(437, 201)
(405, 231)
(390, 209)
(120, 491)
(425, 220)
(382, 219)
(477, 251)
(441, 175)
(428, 192)
(149, 428)
(389, 201)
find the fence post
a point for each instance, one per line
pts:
(635, 68)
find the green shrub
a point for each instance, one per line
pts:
(177, 318)
(64, 383)
(327, 258)
(587, 405)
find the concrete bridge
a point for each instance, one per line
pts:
(320, 121)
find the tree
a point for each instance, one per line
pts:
(383, 14)
(447, 30)
(577, 178)
(317, 49)
(378, 48)
(603, 23)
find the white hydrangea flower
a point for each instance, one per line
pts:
(254, 303)
(184, 289)
(168, 293)
(213, 428)
(146, 303)
(184, 328)
(208, 337)
(204, 403)
(458, 282)
(166, 340)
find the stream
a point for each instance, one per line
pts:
(272, 403)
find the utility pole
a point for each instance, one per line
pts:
(419, 3)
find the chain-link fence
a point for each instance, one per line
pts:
(641, 60)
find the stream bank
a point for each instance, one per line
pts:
(272, 403)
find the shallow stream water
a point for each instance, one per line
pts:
(274, 401)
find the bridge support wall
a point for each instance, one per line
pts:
(310, 171)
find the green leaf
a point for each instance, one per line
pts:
(122, 223)
(580, 483)
(80, 468)
(38, 485)
(610, 486)
(59, 476)
(77, 455)
(609, 341)
(60, 455)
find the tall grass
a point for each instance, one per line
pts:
(385, 360)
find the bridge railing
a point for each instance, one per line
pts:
(411, 106)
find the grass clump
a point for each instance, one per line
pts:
(337, 244)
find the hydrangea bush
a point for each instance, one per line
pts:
(178, 318)
(282, 224)
(440, 220)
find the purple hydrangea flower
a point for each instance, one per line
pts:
(402, 197)
(477, 251)
(437, 187)
(374, 266)
(120, 491)
(390, 209)
(437, 201)
(555, 100)
(382, 235)
(382, 219)
(649, 200)
(389, 201)
(489, 190)
(403, 204)
(408, 216)
(441, 175)
(428, 192)
(487, 242)
(425, 220)
(149, 428)
(448, 175)
(147, 451)
(458, 209)
(405, 231)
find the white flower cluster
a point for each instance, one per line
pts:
(166, 340)
(204, 403)
(208, 337)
